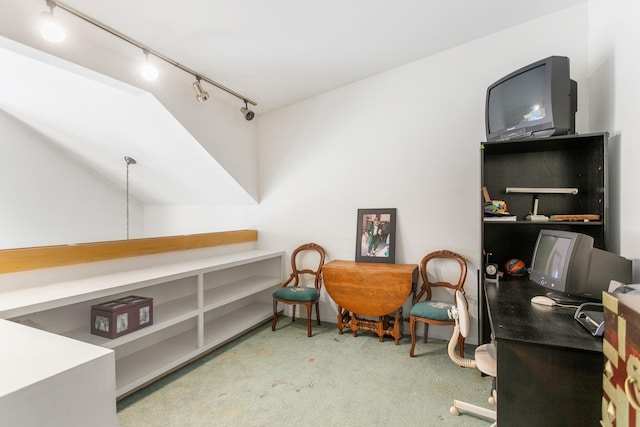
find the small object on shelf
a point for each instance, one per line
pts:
(539, 190)
(495, 207)
(485, 195)
(500, 218)
(119, 317)
(534, 216)
(495, 210)
(537, 218)
(576, 217)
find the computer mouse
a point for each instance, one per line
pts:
(542, 300)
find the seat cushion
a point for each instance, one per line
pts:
(486, 361)
(297, 293)
(435, 310)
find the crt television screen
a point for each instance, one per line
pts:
(518, 100)
(551, 255)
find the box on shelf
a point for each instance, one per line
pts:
(118, 317)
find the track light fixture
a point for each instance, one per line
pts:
(246, 112)
(148, 70)
(201, 94)
(50, 29)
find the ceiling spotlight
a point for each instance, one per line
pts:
(50, 29)
(248, 114)
(201, 95)
(148, 70)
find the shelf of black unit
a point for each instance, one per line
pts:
(547, 223)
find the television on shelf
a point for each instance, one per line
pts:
(572, 270)
(537, 100)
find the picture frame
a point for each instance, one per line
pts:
(376, 235)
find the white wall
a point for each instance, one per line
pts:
(53, 197)
(406, 139)
(181, 219)
(614, 68)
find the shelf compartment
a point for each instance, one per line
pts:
(270, 267)
(550, 224)
(74, 321)
(164, 315)
(221, 295)
(232, 320)
(154, 355)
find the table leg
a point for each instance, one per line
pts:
(380, 328)
(397, 326)
(354, 325)
(340, 324)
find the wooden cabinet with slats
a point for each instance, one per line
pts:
(621, 373)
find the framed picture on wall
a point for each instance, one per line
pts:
(376, 235)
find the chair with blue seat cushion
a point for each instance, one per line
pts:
(433, 268)
(303, 285)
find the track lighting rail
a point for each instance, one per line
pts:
(148, 49)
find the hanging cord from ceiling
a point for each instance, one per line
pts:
(130, 161)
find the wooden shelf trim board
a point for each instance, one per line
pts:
(22, 259)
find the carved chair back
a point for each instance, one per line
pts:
(298, 260)
(426, 290)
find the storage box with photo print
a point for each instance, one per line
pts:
(118, 317)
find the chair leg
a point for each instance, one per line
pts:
(459, 406)
(461, 346)
(275, 315)
(412, 329)
(426, 332)
(293, 319)
(308, 305)
(318, 312)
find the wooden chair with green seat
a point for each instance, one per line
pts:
(436, 312)
(296, 290)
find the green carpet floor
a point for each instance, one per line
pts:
(284, 378)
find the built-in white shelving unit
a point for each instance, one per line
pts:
(51, 380)
(197, 305)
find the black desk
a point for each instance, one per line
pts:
(549, 366)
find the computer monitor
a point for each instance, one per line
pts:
(567, 264)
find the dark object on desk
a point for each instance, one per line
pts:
(568, 263)
(491, 271)
(591, 316)
(515, 267)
